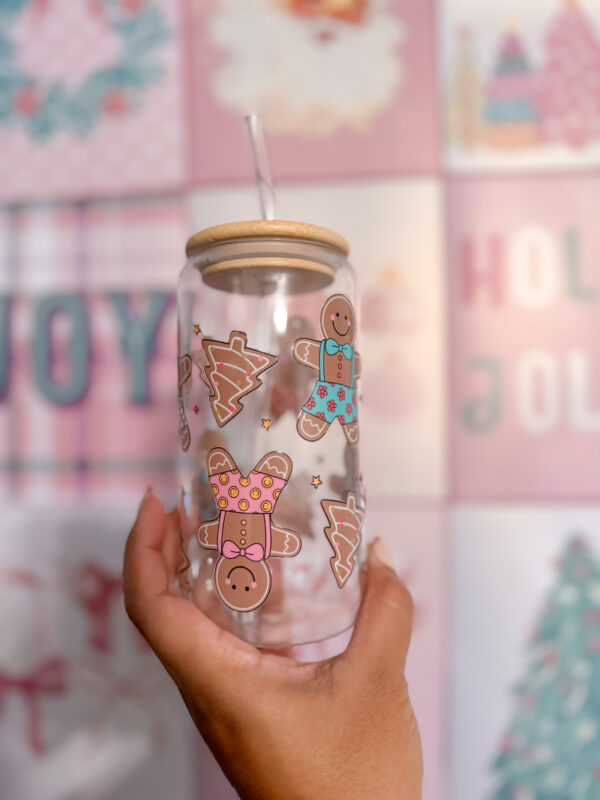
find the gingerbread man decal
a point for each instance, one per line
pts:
(334, 395)
(243, 533)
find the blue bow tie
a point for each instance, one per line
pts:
(332, 347)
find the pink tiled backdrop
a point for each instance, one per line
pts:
(97, 446)
(136, 144)
(399, 137)
(509, 294)
(523, 257)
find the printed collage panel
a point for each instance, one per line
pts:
(91, 102)
(88, 710)
(526, 598)
(524, 259)
(520, 83)
(344, 89)
(394, 231)
(88, 361)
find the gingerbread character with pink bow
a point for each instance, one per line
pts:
(243, 533)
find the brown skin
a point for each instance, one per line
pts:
(340, 728)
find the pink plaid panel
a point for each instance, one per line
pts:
(49, 248)
(113, 266)
(45, 443)
(129, 445)
(139, 244)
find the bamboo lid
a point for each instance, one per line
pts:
(263, 275)
(253, 229)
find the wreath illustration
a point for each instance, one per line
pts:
(49, 108)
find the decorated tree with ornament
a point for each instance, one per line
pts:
(466, 95)
(510, 111)
(552, 748)
(569, 91)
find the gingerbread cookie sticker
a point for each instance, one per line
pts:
(244, 534)
(338, 364)
(184, 370)
(344, 534)
(231, 373)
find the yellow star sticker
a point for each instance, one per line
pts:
(196, 329)
(316, 481)
(266, 424)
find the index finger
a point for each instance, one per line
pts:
(189, 644)
(145, 570)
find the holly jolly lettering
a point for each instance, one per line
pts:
(526, 304)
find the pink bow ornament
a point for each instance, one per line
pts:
(254, 553)
(96, 590)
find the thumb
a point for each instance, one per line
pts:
(383, 626)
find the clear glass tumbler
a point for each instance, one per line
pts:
(272, 498)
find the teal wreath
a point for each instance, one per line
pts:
(49, 109)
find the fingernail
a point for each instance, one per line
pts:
(381, 552)
(148, 494)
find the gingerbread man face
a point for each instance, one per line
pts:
(242, 584)
(338, 320)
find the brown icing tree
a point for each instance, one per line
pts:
(344, 534)
(232, 372)
(184, 374)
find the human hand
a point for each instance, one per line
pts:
(340, 728)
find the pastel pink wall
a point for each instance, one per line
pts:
(475, 242)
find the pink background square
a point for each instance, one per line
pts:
(510, 459)
(505, 563)
(99, 446)
(141, 149)
(400, 139)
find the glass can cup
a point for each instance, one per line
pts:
(272, 501)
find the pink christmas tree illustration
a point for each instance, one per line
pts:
(569, 91)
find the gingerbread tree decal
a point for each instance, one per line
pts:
(184, 374)
(344, 534)
(231, 373)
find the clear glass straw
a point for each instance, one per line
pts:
(262, 170)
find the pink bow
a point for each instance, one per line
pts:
(96, 589)
(49, 678)
(255, 552)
